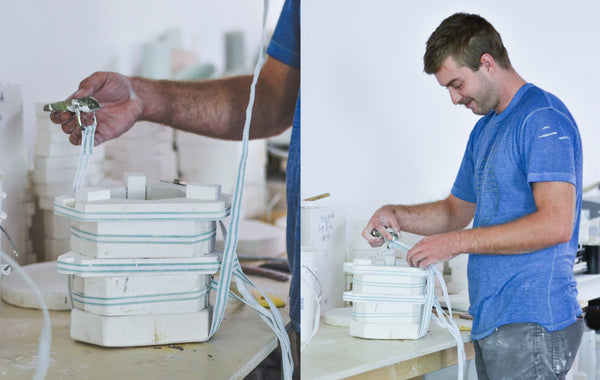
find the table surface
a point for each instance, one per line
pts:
(242, 342)
(354, 356)
(364, 355)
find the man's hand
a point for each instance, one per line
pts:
(434, 249)
(121, 108)
(383, 219)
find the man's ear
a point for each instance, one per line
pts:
(487, 63)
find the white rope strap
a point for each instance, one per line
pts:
(230, 266)
(442, 319)
(85, 152)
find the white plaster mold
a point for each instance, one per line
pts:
(141, 259)
(140, 330)
(387, 298)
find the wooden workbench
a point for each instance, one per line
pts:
(242, 342)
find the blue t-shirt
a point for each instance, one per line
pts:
(534, 139)
(285, 47)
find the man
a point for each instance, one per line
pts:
(216, 109)
(520, 183)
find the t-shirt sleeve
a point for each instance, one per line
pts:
(285, 43)
(464, 185)
(547, 146)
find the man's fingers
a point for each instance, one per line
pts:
(61, 117)
(75, 137)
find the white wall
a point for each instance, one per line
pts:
(376, 129)
(50, 46)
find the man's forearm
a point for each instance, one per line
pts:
(213, 108)
(435, 217)
(217, 108)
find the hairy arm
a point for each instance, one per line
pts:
(214, 108)
(551, 224)
(450, 214)
(217, 108)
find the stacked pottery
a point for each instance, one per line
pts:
(141, 261)
(55, 164)
(147, 148)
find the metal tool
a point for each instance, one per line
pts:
(379, 234)
(87, 104)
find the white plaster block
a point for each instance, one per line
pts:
(45, 203)
(203, 191)
(164, 201)
(142, 248)
(55, 247)
(52, 190)
(141, 295)
(140, 330)
(90, 194)
(55, 226)
(136, 185)
(143, 239)
(145, 227)
(55, 149)
(384, 330)
(53, 175)
(386, 279)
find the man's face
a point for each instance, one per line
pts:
(473, 89)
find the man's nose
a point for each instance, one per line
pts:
(454, 95)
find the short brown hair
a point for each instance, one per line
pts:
(465, 37)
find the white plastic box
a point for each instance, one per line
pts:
(387, 298)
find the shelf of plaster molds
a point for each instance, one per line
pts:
(155, 201)
(141, 294)
(74, 263)
(140, 330)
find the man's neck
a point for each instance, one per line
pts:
(509, 84)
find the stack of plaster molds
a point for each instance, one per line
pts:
(388, 298)
(18, 204)
(208, 160)
(147, 148)
(142, 259)
(55, 164)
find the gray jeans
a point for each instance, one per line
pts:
(527, 351)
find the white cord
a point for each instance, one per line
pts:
(317, 297)
(46, 334)
(85, 153)
(443, 319)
